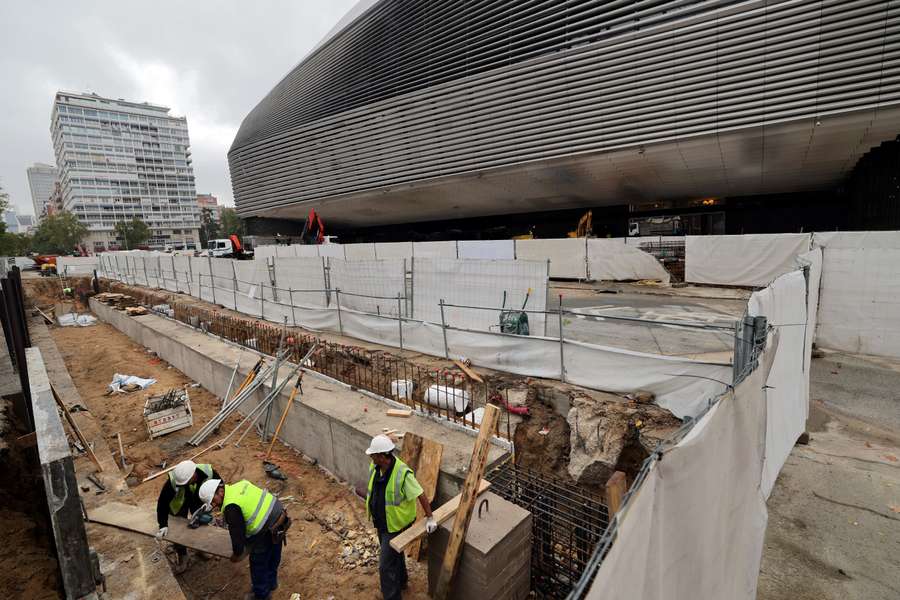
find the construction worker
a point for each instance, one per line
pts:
(391, 504)
(256, 521)
(178, 497)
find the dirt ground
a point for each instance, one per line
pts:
(330, 551)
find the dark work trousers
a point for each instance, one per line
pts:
(181, 550)
(391, 567)
(264, 560)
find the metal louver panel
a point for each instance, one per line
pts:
(561, 103)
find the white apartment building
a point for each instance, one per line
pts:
(118, 160)
(41, 178)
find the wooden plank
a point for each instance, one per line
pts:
(75, 429)
(284, 414)
(442, 513)
(216, 444)
(616, 487)
(29, 440)
(465, 369)
(209, 539)
(467, 502)
(121, 449)
(427, 471)
(398, 412)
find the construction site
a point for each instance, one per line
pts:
(549, 425)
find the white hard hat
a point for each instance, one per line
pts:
(184, 471)
(380, 444)
(208, 490)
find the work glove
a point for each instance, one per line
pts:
(163, 532)
(430, 525)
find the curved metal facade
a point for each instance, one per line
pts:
(422, 110)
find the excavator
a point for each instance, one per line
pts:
(585, 226)
(313, 229)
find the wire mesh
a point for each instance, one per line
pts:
(567, 524)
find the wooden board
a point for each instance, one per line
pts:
(427, 471)
(616, 487)
(465, 369)
(442, 513)
(209, 539)
(467, 500)
(398, 412)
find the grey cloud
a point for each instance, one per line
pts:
(210, 61)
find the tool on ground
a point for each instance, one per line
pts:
(74, 427)
(167, 413)
(514, 321)
(200, 517)
(273, 471)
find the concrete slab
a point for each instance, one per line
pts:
(330, 422)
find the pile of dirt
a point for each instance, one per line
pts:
(28, 569)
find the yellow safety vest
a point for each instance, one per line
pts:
(178, 501)
(256, 504)
(399, 512)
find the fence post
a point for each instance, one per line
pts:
(234, 283)
(293, 312)
(262, 300)
(212, 280)
(190, 280)
(410, 302)
(562, 361)
(271, 269)
(174, 274)
(400, 321)
(146, 277)
(326, 277)
(444, 330)
(546, 296)
(337, 299)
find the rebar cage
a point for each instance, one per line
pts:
(567, 524)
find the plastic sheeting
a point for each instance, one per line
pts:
(478, 283)
(613, 260)
(567, 256)
(76, 265)
(394, 250)
(378, 283)
(748, 260)
(295, 277)
(364, 251)
(487, 249)
(859, 307)
(695, 526)
(434, 249)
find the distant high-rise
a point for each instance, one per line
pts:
(119, 160)
(212, 203)
(41, 178)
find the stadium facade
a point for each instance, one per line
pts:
(449, 109)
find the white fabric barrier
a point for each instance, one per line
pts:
(748, 260)
(612, 260)
(434, 249)
(325, 250)
(293, 274)
(385, 250)
(651, 239)
(478, 283)
(262, 252)
(859, 307)
(378, 282)
(695, 526)
(487, 249)
(365, 251)
(77, 265)
(567, 256)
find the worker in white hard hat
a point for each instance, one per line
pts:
(258, 523)
(178, 497)
(391, 504)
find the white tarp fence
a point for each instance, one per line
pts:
(487, 249)
(479, 283)
(677, 383)
(748, 260)
(694, 527)
(76, 265)
(613, 260)
(859, 309)
(567, 256)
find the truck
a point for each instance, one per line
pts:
(229, 247)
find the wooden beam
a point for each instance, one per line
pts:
(616, 487)
(284, 415)
(121, 449)
(468, 371)
(427, 470)
(29, 440)
(75, 429)
(398, 412)
(442, 513)
(218, 444)
(209, 539)
(467, 502)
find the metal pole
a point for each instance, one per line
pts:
(262, 300)
(190, 276)
(444, 329)
(212, 280)
(546, 295)
(337, 299)
(234, 283)
(400, 321)
(174, 273)
(293, 311)
(562, 361)
(146, 277)
(410, 302)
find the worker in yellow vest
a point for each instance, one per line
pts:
(178, 497)
(391, 504)
(257, 522)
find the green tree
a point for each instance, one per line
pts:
(230, 223)
(209, 228)
(59, 234)
(134, 233)
(15, 244)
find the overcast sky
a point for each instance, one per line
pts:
(209, 61)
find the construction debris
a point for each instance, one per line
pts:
(117, 301)
(398, 412)
(128, 383)
(167, 413)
